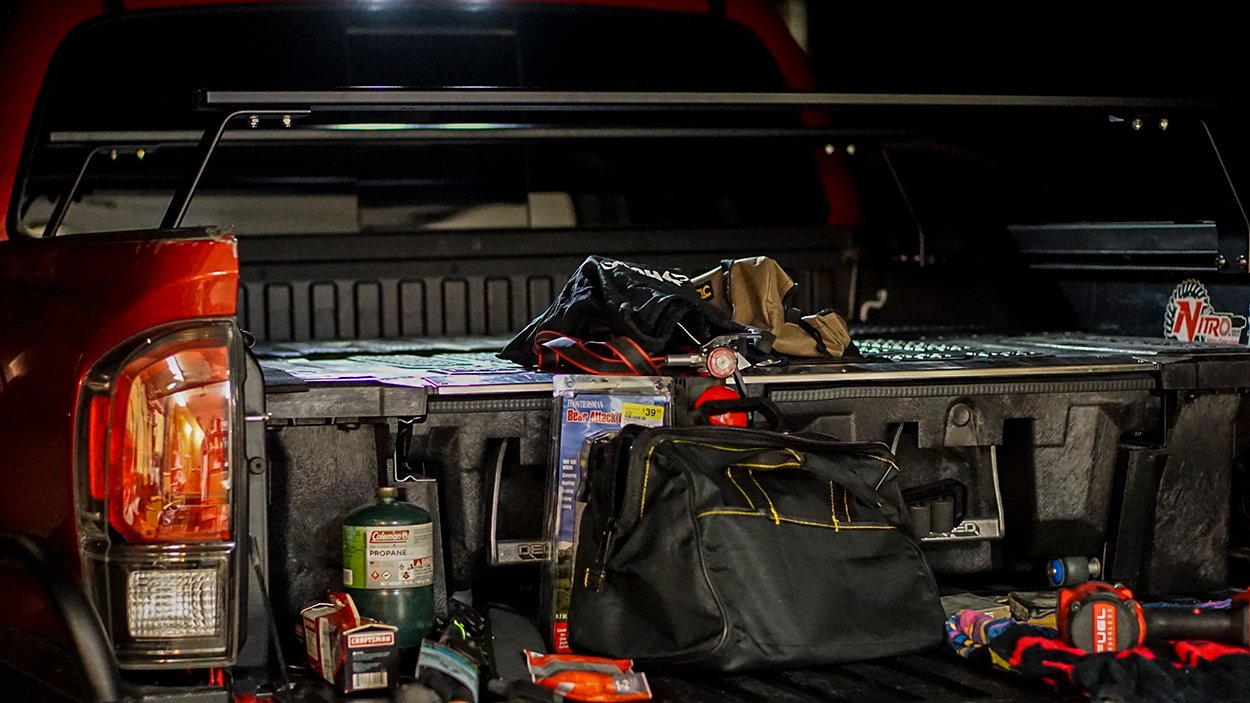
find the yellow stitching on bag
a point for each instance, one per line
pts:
(843, 527)
(833, 506)
(729, 473)
(788, 450)
(740, 513)
(881, 458)
(771, 507)
(720, 447)
(777, 519)
(798, 459)
(646, 474)
(793, 521)
(783, 465)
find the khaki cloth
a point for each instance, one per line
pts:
(757, 292)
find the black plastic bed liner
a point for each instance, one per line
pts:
(932, 677)
(937, 677)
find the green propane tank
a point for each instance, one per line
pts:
(388, 564)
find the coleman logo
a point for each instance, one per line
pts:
(371, 639)
(388, 536)
(1190, 317)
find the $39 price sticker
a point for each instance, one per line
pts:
(639, 414)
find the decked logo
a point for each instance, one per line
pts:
(532, 551)
(1190, 317)
(388, 536)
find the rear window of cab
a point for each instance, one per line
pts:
(130, 79)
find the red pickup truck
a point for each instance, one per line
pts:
(174, 173)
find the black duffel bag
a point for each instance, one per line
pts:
(736, 549)
(658, 309)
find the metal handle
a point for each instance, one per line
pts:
(511, 551)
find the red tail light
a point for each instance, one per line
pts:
(156, 499)
(169, 464)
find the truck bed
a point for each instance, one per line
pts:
(1064, 417)
(1071, 421)
(931, 677)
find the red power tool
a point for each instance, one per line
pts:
(1099, 617)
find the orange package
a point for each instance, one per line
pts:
(589, 679)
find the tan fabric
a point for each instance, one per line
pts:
(757, 291)
(830, 326)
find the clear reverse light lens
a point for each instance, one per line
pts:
(172, 604)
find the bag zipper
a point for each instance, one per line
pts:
(771, 440)
(596, 573)
(782, 439)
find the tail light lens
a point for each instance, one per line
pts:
(170, 465)
(157, 507)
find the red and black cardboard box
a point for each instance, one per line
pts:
(351, 652)
(368, 657)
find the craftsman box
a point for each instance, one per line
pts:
(351, 652)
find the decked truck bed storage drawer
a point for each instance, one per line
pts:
(1056, 446)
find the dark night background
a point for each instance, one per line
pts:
(1125, 49)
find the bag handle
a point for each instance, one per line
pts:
(843, 476)
(861, 489)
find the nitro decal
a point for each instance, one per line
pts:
(1190, 317)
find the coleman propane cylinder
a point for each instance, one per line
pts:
(388, 564)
